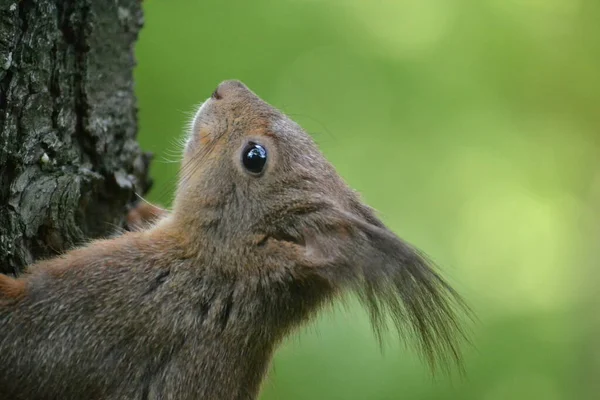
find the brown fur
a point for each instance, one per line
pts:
(194, 306)
(143, 215)
(11, 288)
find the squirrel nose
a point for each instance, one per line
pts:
(228, 89)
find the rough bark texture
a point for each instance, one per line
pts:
(69, 160)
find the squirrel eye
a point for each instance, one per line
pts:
(254, 158)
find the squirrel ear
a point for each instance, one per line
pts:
(391, 279)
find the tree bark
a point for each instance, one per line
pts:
(69, 161)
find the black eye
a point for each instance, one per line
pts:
(254, 158)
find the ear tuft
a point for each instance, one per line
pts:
(421, 305)
(394, 281)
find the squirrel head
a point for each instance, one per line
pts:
(257, 191)
(248, 166)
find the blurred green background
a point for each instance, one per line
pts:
(472, 126)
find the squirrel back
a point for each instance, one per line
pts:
(263, 233)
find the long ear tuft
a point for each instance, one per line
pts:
(401, 283)
(421, 304)
(395, 281)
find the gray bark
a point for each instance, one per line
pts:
(69, 161)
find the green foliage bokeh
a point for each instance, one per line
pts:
(471, 126)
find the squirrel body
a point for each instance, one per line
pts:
(133, 317)
(263, 233)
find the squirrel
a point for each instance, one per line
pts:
(263, 234)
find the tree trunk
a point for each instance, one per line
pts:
(69, 161)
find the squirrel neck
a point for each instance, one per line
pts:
(239, 314)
